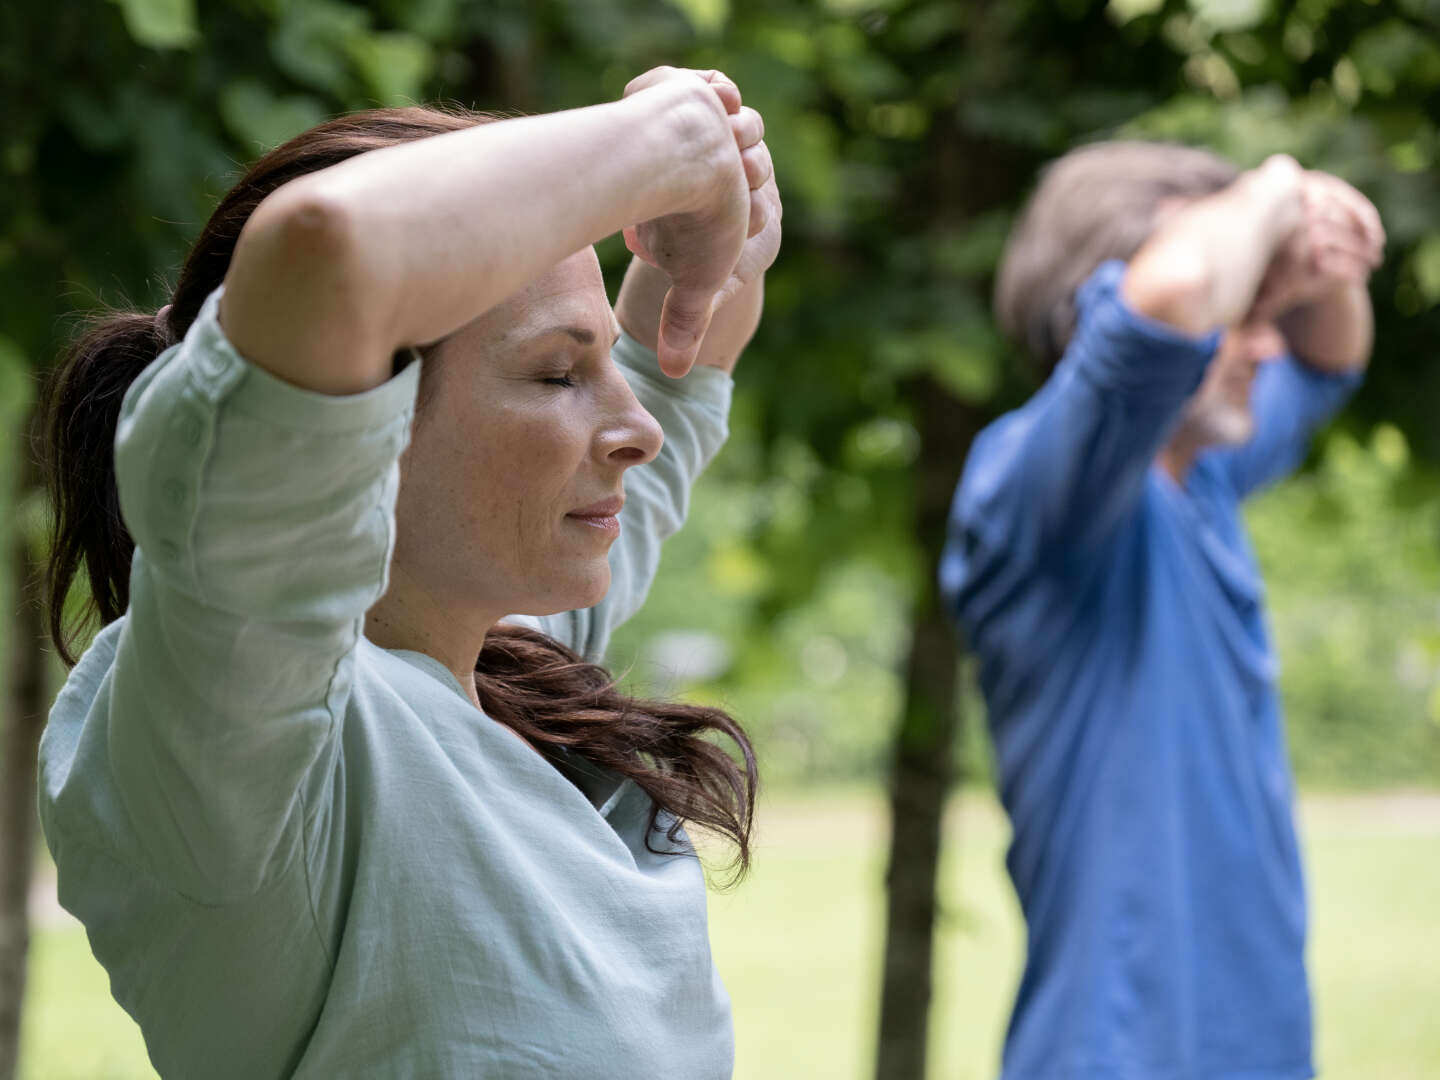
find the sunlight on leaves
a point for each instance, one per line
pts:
(706, 16)
(1122, 11)
(1231, 14)
(161, 24)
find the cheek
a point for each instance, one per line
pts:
(530, 457)
(497, 474)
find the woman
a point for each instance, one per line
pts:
(321, 811)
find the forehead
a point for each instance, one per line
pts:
(572, 292)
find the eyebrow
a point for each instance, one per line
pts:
(581, 334)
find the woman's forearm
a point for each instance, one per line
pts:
(403, 245)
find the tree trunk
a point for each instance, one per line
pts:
(19, 741)
(922, 769)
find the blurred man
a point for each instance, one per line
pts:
(1200, 325)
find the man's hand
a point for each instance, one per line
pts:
(1339, 241)
(1200, 269)
(1277, 242)
(736, 305)
(683, 250)
(1316, 290)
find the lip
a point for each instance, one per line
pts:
(603, 515)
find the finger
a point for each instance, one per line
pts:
(719, 83)
(1342, 240)
(723, 86)
(1360, 210)
(758, 165)
(1342, 231)
(759, 214)
(772, 193)
(1363, 210)
(766, 246)
(650, 78)
(1333, 218)
(1346, 266)
(684, 318)
(1364, 222)
(748, 127)
(733, 285)
(637, 246)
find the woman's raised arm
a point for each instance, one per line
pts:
(401, 246)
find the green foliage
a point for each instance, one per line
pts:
(905, 134)
(1352, 559)
(161, 24)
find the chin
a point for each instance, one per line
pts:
(582, 591)
(1221, 425)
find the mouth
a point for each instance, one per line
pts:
(603, 516)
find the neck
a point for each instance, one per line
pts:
(1178, 455)
(413, 618)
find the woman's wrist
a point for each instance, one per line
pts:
(685, 134)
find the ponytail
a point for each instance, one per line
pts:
(82, 410)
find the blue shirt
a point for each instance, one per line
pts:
(1124, 657)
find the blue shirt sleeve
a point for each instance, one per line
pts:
(1056, 478)
(1289, 401)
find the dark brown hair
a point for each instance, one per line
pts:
(1093, 204)
(525, 680)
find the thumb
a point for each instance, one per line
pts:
(684, 318)
(637, 246)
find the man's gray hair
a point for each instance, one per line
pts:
(1096, 203)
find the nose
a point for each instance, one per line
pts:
(628, 434)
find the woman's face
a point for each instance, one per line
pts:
(512, 482)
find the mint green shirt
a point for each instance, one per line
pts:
(299, 854)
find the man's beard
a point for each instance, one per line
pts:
(1216, 423)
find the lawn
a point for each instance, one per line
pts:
(798, 945)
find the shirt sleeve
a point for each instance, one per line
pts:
(1056, 478)
(263, 516)
(1289, 401)
(694, 414)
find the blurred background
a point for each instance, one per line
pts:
(905, 135)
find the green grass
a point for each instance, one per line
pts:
(798, 945)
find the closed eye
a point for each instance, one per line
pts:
(559, 380)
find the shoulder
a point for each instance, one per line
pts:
(1119, 348)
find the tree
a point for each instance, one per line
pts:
(905, 134)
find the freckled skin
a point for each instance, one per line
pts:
(499, 456)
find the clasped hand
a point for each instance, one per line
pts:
(1333, 241)
(711, 253)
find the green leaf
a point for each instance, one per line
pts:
(432, 20)
(1425, 264)
(1122, 11)
(706, 16)
(312, 42)
(263, 119)
(394, 66)
(1229, 15)
(161, 24)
